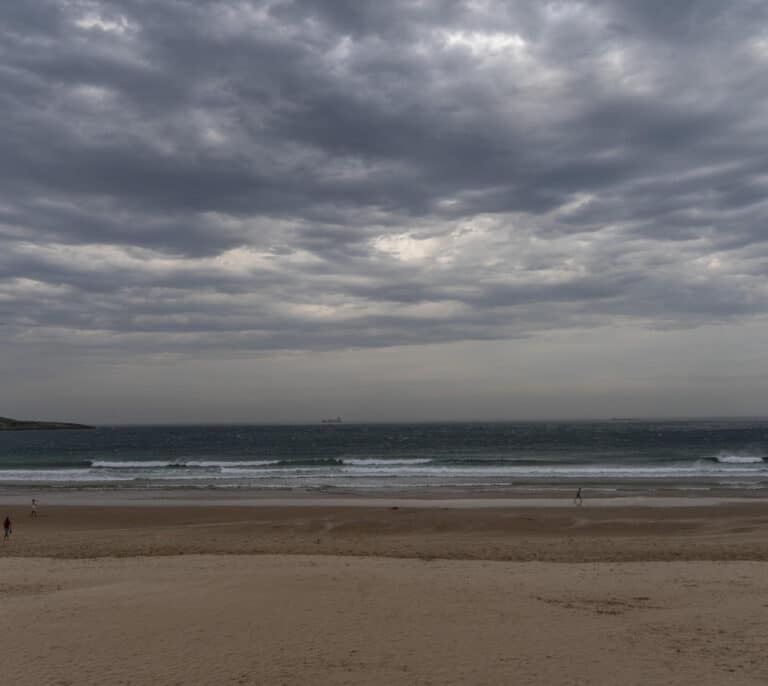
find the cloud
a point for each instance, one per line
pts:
(187, 177)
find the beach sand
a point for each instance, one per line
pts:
(309, 594)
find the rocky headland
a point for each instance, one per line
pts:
(8, 424)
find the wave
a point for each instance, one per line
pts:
(407, 463)
(739, 459)
(232, 463)
(402, 470)
(133, 464)
(374, 462)
(178, 464)
(701, 469)
(57, 476)
(319, 462)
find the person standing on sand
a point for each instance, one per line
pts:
(7, 528)
(578, 499)
(33, 511)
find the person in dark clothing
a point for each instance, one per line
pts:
(7, 526)
(578, 499)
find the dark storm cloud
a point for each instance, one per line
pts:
(322, 174)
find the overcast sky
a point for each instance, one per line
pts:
(424, 209)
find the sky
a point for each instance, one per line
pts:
(283, 210)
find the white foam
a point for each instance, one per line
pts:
(159, 464)
(373, 462)
(405, 471)
(57, 476)
(740, 459)
(121, 464)
(231, 463)
(561, 471)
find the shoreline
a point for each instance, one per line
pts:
(467, 499)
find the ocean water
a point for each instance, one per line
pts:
(475, 457)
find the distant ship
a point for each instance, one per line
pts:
(333, 420)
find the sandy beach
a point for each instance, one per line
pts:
(392, 594)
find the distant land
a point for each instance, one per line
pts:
(7, 424)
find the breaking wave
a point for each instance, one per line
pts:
(374, 462)
(739, 459)
(178, 464)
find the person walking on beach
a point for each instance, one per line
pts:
(33, 511)
(578, 500)
(7, 528)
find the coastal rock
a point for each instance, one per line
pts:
(8, 424)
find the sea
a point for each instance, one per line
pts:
(501, 457)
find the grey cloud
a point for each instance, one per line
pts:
(291, 174)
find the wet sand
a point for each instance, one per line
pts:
(435, 529)
(346, 594)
